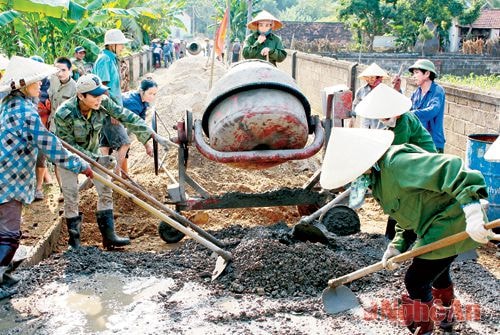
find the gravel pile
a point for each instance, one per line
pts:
(266, 261)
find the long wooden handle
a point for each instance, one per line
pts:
(406, 255)
(224, 254)
(148, 197)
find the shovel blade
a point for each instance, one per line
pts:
(338, 299)
(466, 256)
(220, 266)
(313, 232)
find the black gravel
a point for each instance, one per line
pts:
(266, 262)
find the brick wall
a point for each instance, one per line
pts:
(449, 63)
(466, 112)
(139, 64)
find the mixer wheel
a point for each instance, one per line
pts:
(341, 220)
(169, 234)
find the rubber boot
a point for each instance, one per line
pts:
(443, 300)
(74, 225)
(106, 225)
(8, 279)
(417, 316)
(7, 251)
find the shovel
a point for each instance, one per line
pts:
(309, 230)
(184, 221)
(338, 298)
(224, 256)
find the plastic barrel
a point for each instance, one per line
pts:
(477, 145)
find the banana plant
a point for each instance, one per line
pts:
(29, 33)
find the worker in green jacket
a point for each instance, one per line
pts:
(433, 194)
(390, 108)
(263, 43)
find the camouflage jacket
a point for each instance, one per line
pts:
(83, 133)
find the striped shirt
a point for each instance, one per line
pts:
(22, 134)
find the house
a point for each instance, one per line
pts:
(485, 28)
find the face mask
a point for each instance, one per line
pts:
(391, 123)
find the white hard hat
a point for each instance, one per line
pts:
(115, 36)
(21, 72)
(373, 71)
(350, 153)
(383, 102)
(493, 152)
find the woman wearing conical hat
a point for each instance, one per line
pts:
(372, 75)
(431, 194)
(22, 135)
(263, 43)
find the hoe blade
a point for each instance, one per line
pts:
(220, 266)
(338, 299)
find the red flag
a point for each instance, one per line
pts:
(220, 37)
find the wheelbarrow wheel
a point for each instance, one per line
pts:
(341, 220)
(169, 234)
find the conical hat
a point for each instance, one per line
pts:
(373, 71)
(264, 16)
(493, 152)
(23, 71)
(350, 153)
(383, 102)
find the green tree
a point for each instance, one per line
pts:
(34, 33)
(368, 18)
(238, 16)
(308, 11)
(413, 13)
(276, 7)
(204, 16)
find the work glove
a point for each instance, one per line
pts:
(164, 142)
(109, 162)
(474, 219)
(390, 252)
(358, 191)
(88, 172)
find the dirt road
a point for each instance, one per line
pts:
(273, 286)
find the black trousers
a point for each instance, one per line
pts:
(424, 274)
(390, 231)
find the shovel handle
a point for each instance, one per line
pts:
(224, 254)
(326, 208)
(151, 199)
(406, 256)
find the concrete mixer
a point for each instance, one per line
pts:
(255, 118)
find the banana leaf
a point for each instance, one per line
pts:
(53, 8)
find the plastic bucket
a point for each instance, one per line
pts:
(477, 145)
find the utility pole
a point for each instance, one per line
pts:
(228, 32)
(249, 15)
(193, 22)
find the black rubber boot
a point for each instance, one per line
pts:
(7, 251)
(8, 279)
(74, 225)
(106, 225)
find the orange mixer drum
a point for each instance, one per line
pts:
(256, 106)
